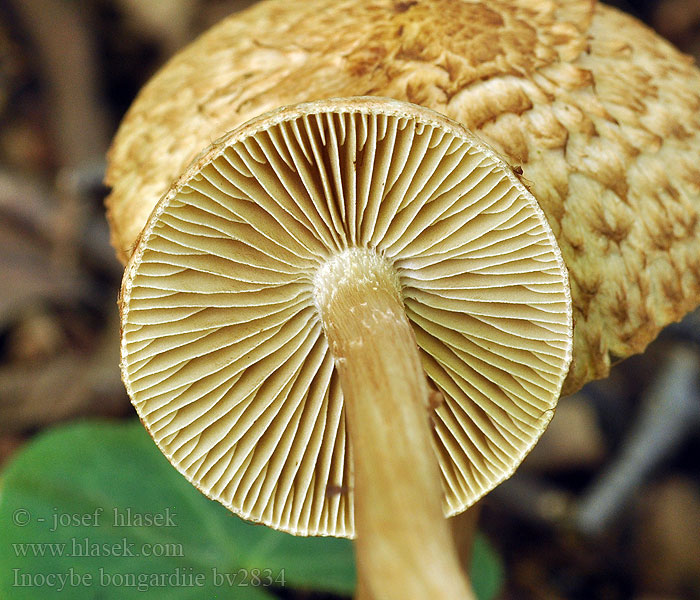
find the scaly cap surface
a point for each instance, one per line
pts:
(601, 114)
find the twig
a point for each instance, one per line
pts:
(671, 409)
(77, 123)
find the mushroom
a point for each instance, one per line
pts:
(597, 114)
(291, 292)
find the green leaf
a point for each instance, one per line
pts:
(95, 498)
(487, 572)
(105, 489)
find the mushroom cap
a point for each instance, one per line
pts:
(600, 113)
(223, 349)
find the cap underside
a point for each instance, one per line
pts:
(223, 352)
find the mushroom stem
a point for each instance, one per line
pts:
(404, 545)
(463, 527)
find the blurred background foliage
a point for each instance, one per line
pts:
(608, 504)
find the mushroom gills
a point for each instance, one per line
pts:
(223, 350)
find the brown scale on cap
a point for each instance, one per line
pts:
(601, 114)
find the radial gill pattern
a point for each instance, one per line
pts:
(223, 352)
